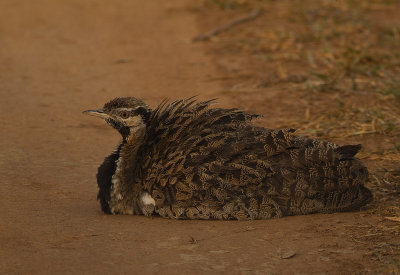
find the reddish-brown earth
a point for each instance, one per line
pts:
(58, 58)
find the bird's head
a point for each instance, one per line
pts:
(125, 114)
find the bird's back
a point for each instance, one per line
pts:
(216, 160)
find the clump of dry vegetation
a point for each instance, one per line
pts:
(331, 69)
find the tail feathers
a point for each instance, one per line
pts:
(347, 151)
(364, 197)
(350, 199)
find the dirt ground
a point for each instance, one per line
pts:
(58, 58)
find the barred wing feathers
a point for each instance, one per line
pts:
(193, 153)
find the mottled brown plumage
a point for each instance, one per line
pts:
(186, 160)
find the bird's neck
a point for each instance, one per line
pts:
(123, 190)
(132, 142)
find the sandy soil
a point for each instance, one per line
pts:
(59, 58)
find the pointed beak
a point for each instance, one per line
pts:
(99, 113)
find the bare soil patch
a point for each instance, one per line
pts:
(328, 68)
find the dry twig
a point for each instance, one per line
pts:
(203, 37)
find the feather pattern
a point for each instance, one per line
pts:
(199, 162)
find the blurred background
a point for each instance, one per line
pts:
(330, 69)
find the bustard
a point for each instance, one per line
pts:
(189, 160)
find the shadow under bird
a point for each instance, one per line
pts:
(189, 160)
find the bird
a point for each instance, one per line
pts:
(189, 159)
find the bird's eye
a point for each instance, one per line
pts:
(124, 114)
